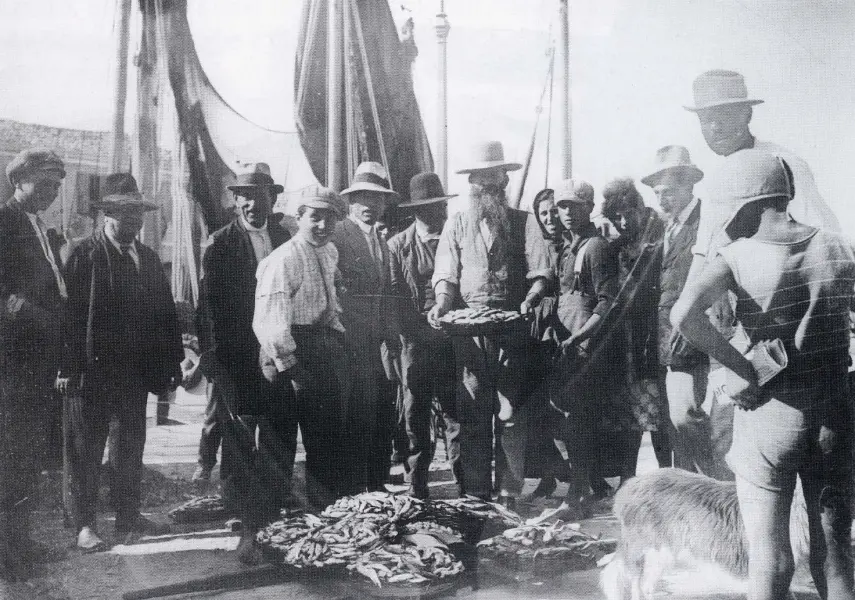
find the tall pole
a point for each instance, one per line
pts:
(120, 89)
(442, 29)
(566, 113)
(335, 95)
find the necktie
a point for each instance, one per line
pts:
(376, 252)
(669, 235)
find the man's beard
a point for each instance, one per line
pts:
(489, 202)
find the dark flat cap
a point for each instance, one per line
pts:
(34, 159)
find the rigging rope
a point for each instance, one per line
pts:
(538, 111)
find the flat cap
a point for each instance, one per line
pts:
(574, 190)
(324, 198)
(34, 159)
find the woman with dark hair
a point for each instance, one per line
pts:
(643, 405)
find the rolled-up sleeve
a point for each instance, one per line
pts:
(272, 318)
(604, 274)
(447, 262)
(536, 251)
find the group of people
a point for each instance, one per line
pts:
(337, 332)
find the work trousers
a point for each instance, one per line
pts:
(370, 416)
(427, 368)
(692, 426)
(212, 434)
(488, 368)
(320, 410)
(109, 409)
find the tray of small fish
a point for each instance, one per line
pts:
(482, 321)
(546, 549)
(199, 509)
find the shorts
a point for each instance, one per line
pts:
(776, 442)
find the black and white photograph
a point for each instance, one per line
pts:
(425, 299)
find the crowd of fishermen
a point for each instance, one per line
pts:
(334, 327)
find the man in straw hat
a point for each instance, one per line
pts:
(298, 326)
(427, 355)
(259, 429)
(495, 256)
(673, 177)
(795, 286)
(121, 342)
(32, 294)
(724, 111)
(370, 319)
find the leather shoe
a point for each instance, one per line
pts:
(545, 488)
(88, 541)
(202, 473)
(248, 551)
(509, 502)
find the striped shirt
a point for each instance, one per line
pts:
(296, 286)
(800, 292)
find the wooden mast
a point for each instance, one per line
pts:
(566, 106)
(120, 89)
(335, 106)
(442, 29)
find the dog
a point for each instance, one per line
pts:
(672, 515)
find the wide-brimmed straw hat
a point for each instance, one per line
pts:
(574, 190)
(119, 191)
(371, 177)
(425, 188)
(719, 88)
(489, 155)
(34, 159)
(254, 176)
(672, 158)
(748, 176)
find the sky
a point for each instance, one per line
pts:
(632, 64)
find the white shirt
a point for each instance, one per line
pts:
(423, 233)
(486, 233)
(260, 239)
(41, 233)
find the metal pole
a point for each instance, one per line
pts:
(120, 90)
(566, 113)
(335, 96)
(442, 29)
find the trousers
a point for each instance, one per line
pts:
(212, 434)
(119, 410)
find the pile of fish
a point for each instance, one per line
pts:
(479, 316)
(539, 547)
(200, 509)
(365, 534)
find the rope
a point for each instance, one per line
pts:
(538, 111)
(369, 83)
(549, 120)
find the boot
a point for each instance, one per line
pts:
(13, 567)
(248, 551)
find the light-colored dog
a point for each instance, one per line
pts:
(669, 516)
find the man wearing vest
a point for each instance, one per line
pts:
(427, 355)
(369, 318)
(494, 256)
(121, 341)
(588, 278)
(32, 294)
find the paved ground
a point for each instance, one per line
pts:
(195, 555)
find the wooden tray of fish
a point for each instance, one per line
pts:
(545, 549)
(482, 321)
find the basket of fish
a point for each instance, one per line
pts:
(482, 321)
(200, 509)
(546, 549)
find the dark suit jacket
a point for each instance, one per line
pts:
(364, 293)
(228, 289)
(410, 261)
(31, 335)
(675, 270)
(92, 327)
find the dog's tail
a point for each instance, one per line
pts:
(614, 579)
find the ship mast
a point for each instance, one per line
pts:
(566, 106)
(442, 28)
(120, 88)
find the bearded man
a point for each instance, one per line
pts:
(490, 256)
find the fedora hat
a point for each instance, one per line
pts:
(324, 198)
(371, 176)
(119, 191)
(747, 176)
(35, 159)
(672, 158)
(489, 155)
(577, 191)
(256, 175)
(719, 88)
(425, 188)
